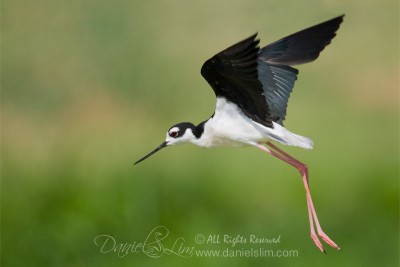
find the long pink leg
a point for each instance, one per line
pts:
(314, 236)
(297, 163)
(304, 172)
(311, 210)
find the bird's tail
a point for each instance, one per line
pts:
(282, 135)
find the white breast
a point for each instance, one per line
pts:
(231, 127)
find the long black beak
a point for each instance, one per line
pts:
(164, 144)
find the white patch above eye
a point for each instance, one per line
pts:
(175, 129)
(186, 137)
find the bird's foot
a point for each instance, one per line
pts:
(314, 237)
(327, 240)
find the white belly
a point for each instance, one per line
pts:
(230, 127)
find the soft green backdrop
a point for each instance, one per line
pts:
(88, 87)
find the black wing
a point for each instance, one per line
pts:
(275, 73)
(233, 74)
(278, 82)
(303, 46)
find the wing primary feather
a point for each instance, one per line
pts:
(259, 81)
(233, 74)
(303, 46)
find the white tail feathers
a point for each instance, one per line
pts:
(284, 136)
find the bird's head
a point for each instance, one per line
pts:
(178, 134)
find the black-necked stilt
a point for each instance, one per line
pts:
(252, 87)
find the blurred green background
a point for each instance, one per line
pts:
(88, 87)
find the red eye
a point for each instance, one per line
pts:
(173, 134)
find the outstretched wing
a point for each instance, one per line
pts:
(233, 74)
(275, 73)
(303, 46)
(278, 82)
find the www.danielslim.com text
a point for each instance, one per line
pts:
(246, 253)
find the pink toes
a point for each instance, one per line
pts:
(317, 243)
(328, 240)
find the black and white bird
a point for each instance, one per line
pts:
(252, 87)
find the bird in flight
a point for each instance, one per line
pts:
(252, 86)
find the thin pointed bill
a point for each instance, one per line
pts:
(164, 144)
